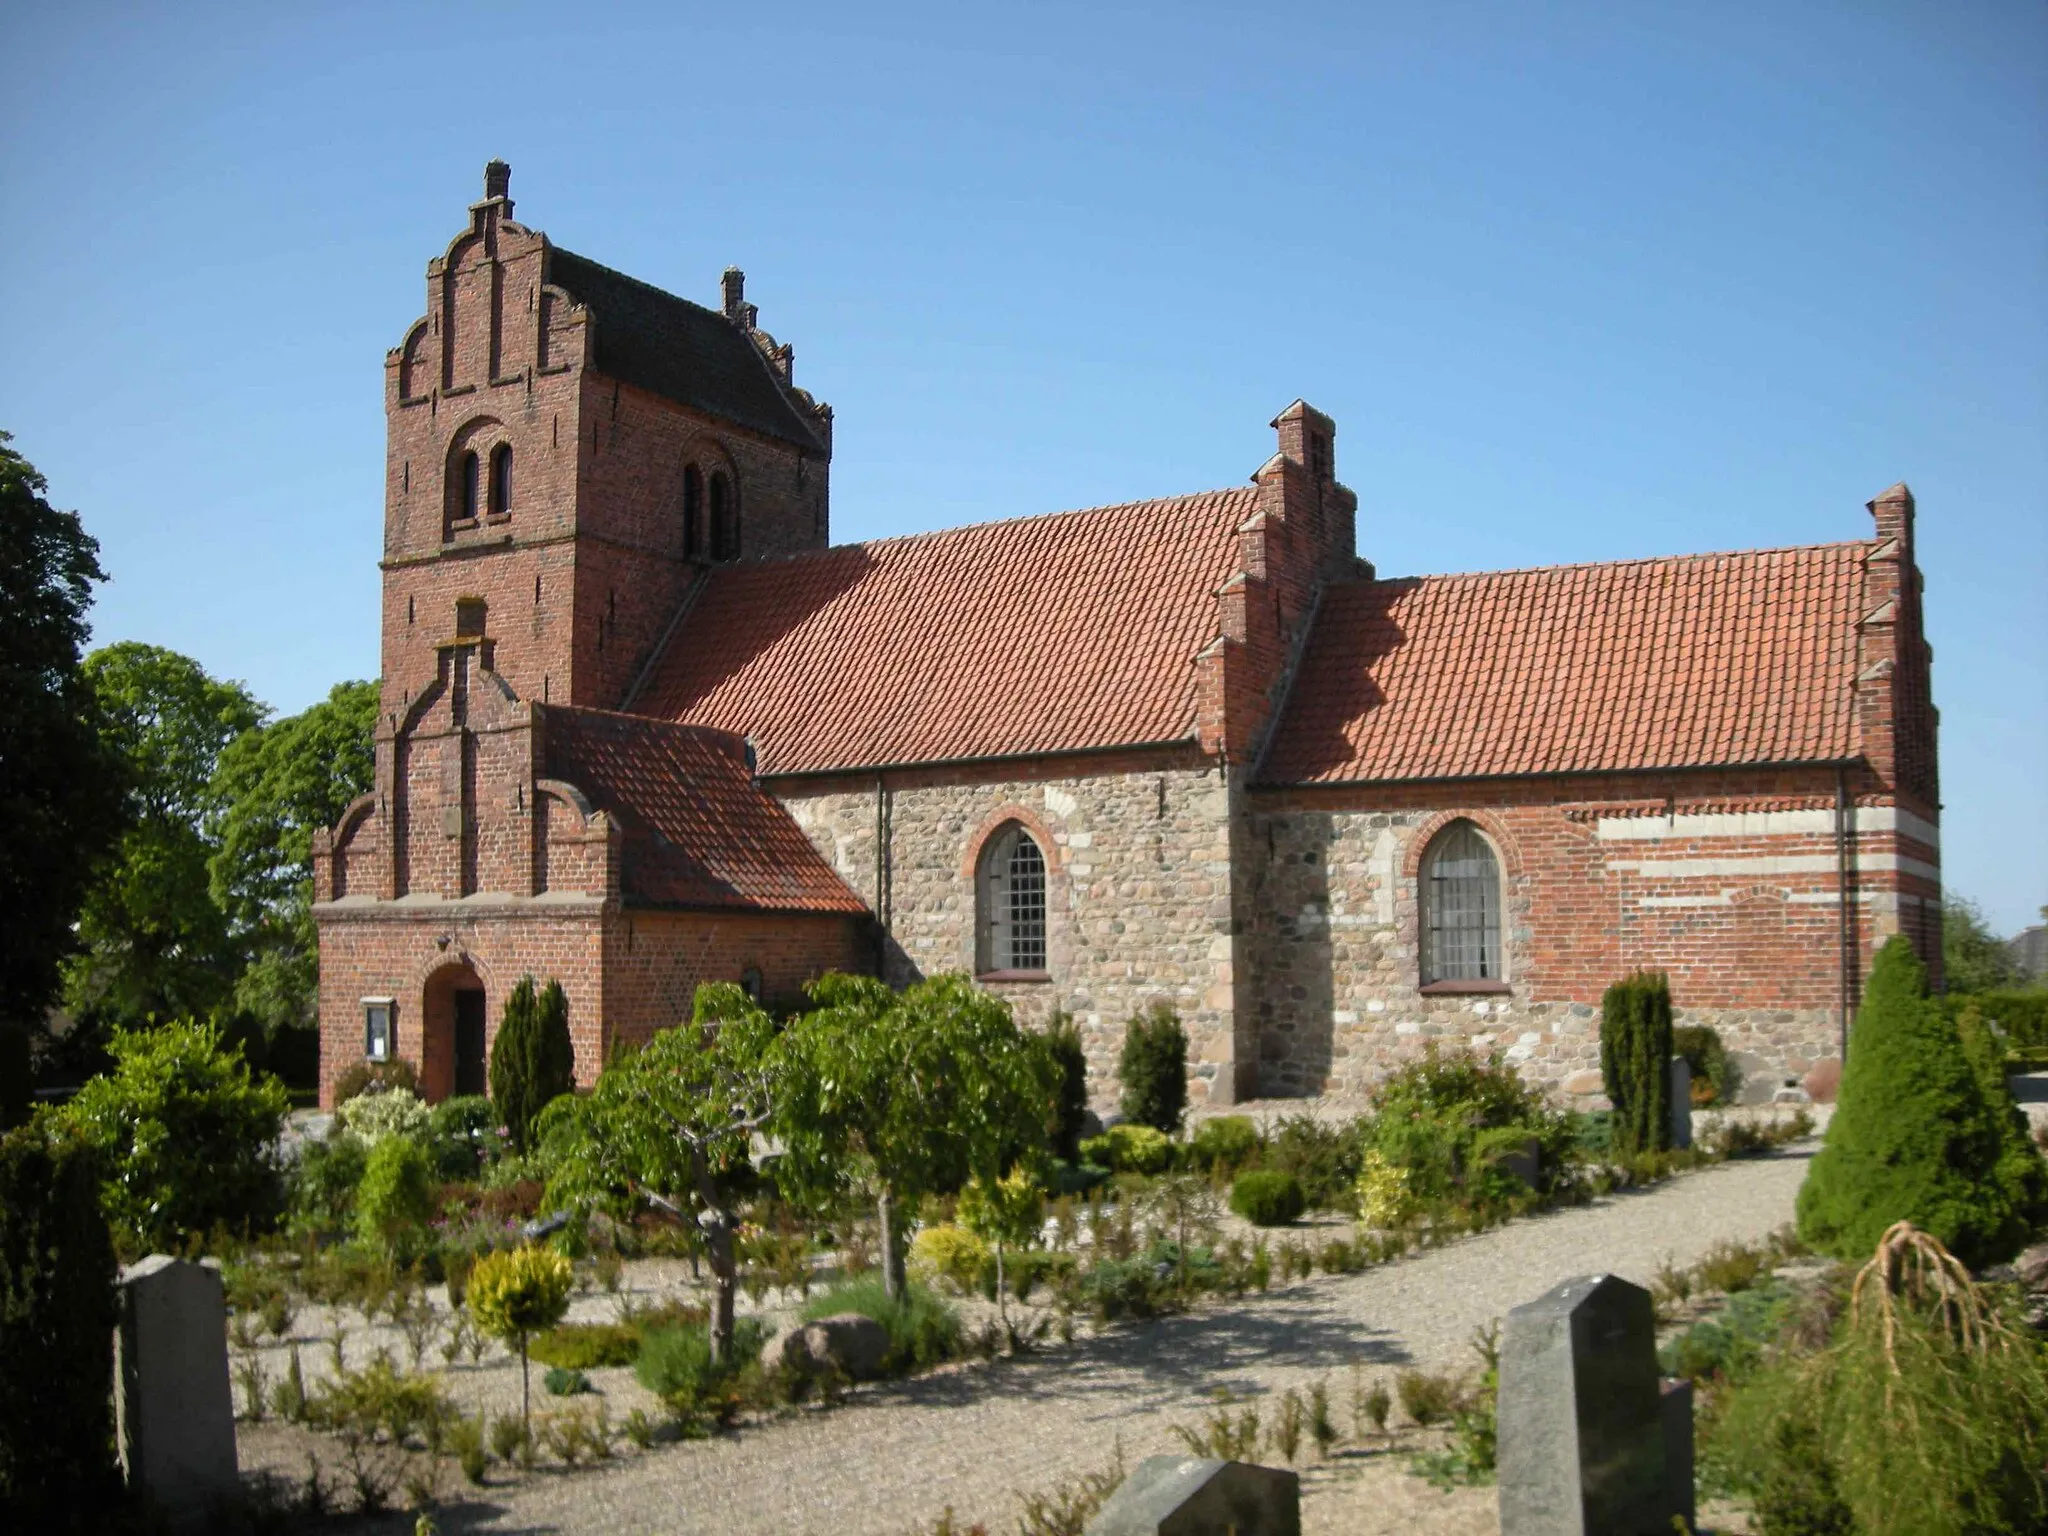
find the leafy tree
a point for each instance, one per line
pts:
(1004, 1213)
(187, 1135)
(903, 1096)
(274, 786)
(1154, 1070)
(395, 1200)
(1973, 958)
(155, 944)
(1912, 1137)
(532, 1060)
(1635, 1060)
(672, 1123)
(1070, 1064)
(61, 783)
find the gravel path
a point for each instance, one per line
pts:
(976, 1437)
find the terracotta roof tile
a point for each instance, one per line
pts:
(1699, 659)
(699, 831)
(1037, 635)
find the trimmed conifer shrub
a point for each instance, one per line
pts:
(2021, 1169)
(1635, 1060)
(1912, 1137)
(1070, 1062)
(57, 1316)
(1154, 1070)
(532, 1060)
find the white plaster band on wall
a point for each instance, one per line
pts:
(1818, 823)
(1771, 864)
(1883, 901)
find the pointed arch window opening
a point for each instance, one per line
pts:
(470, 491)
(1461, 908)
(693, 512)
(501, 480)
(725, 532)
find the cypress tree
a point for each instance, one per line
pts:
(532, 1061)
(1070, 1066)
(1635, 1060)
(1154, 1070)
(1912, 1138)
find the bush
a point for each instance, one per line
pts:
(464, 1135)
(57, 1316)
(587, 1346)
(1912, 1138)
(372, 1117)
(1154, 1070)
(2020, 1170)
(1326, 1157)
(322, 1187)
(1129, 1149)
(950, 1253)
(362, 1077)
(1445, 1123)
(675, 1364)
(1224, 1145)
(1716, 1079)
(1070, 1063)
(187, 1136)
(561, 1381)
(395, 1201)
(923, 1330)
(2022, 1016)
(532, 1060)
(1268, 1198)
(1635, 1060)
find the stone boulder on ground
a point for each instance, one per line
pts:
(857, 1346)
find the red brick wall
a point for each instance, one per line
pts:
(655, 961)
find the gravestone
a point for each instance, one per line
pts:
(1525, 1161)
(1582, 1437)
(1681, 1103)
(172, 1408)
(1675, 1399)
(1195, 1496)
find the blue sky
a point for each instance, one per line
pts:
(1578, 282)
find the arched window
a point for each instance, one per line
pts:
(725, 530)
(693, 512)
(1012, 903)
(501, 480)
(1460, 907)
(468, 491)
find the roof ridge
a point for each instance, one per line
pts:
(630, 717)
(1012, 522)
(1598, 565)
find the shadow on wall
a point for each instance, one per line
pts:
(1298, 950)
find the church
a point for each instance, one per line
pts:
(644, 725)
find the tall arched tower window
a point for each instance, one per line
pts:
(1010, 903)
(1460, 896)
(468, 492)
(693, 512)
(725, 523)
(501, 480)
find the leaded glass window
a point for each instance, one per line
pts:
(1461, 908)
(1013, 904)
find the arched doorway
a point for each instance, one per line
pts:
(452, 1019)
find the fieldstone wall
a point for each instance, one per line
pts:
(1738, 906)
(1138, 901)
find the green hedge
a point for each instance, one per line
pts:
(57, 1316)
(2022, 1015)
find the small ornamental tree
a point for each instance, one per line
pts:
(1635, 1060)
(1004, 1213)
(515, 1294)
(57, 1316)
(532, 1060)
(395, 1200)
(1154, 1070)
(899, 1097)
(673, 1123)
(1912, 1138)
(187, 1135)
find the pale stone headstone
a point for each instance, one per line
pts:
(172, 1407)
(1581, 1450)
(1195, 1496)
(1681, 1102)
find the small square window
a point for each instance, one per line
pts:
(380, 1028)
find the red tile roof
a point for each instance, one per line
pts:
(699, 831)
(1038, 635)
(1700, 659)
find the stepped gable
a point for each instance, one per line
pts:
(1065, 633)
(681, 351)
(1696, 660)
(699, 832)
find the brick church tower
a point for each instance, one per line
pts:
(571, 453)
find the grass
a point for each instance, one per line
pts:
(923, 1330)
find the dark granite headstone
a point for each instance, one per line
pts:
(1676, 1401)
(1194, 1496)
(1581, 1449)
